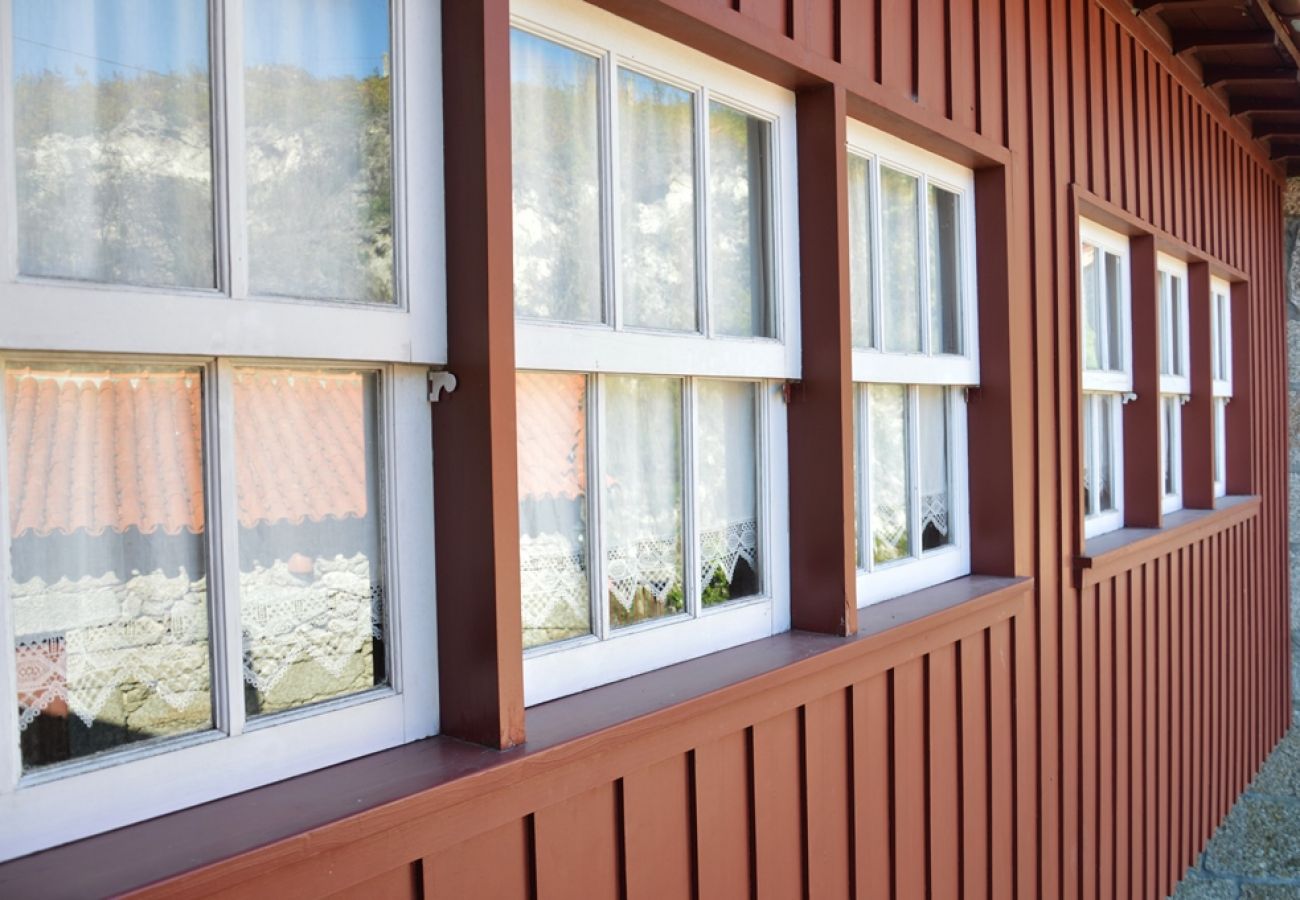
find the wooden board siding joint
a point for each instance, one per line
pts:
(1128, 548)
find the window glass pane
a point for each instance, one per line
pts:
(1107, 501)
(936, 513)
(1092, 328)
(1176, 325)
(555, 136)
(945, 271)
(642, 500)
(860, 252)
(318, 144)
(859, 505)
(311, 581)
(113, 141)
(727, 466)
(1220, 448)
(1169, 439)
(656, 145)
(1116, 326)
(890, 531)
(553, 506)
(901, 262)
(740, 222)
(1166, 337)
(108, 580)
(1089, 444)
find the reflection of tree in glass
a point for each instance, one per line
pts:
(556, 175)
(889, 505)
(319, 166)
(114, 177)
(656, 202)
(738, 222)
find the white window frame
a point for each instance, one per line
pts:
(67, 801)
(877, 582)
(1175, 344)
(566, 667)
(954, 372)
(227, 320)
(1106, 520)
(924, 367)
(59, 319)
(609, 346)
(1221, 376)
(1101, 381)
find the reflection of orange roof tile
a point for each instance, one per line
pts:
(90, 451)
(552, 435)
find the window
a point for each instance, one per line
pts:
(912, 301)
(1175, 378)
(214, 353)
(656, 317)
(1221, 376)
(1107, 353)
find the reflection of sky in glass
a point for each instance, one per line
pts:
(551, 64)
(102, 39)
(328, 38)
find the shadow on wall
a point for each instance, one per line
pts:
(1291, 236)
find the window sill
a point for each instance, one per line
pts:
(1109, 554)
(399, 792)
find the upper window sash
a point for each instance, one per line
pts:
(1221, 337)
(1105, 309)
(1175, 344)
(236, 315)
(611, 341)
(873, 155)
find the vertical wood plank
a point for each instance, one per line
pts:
(932, 55)
(1003, 746)
(1106, 663)
(910, 764)
(858, 38)
(944, 786)
(657, 823)
(579, 847)
(897, 46)
(497, 863)
(779, 806)
(873, 786)
(723, 817)
(1089, 738)
(827, 748)
(963, 72)
(992, 77)
(1124, 738)
(976, 816)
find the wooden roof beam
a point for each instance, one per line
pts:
(1185, 39)
(1142, 6)
(1285, 39)
(1215, 76)
(1285, 106)
(1262, 130)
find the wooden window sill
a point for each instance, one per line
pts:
(400, 792)
(1118, 551)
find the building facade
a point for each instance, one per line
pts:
(658, 448)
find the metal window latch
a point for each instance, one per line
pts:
(791, 391)
(1184, 399)
(1127, 397)
(439, 382)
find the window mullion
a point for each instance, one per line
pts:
(690, 508)
(231, 201)
(597, 564)
(912, 413)
(703, 269)
(10, 758)
(223, 550)
(877, 248)
(613, 271)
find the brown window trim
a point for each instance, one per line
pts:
(411, 800)
(1109, 554)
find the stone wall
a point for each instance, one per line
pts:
(1292, 256)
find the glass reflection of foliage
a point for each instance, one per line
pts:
(319, 161)
(114, 177)
(554, 93)
(739, 222)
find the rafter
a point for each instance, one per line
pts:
(1282, 29)
(1221, 75)
(1186, 39)
(1142, 6)
(1285, 106)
